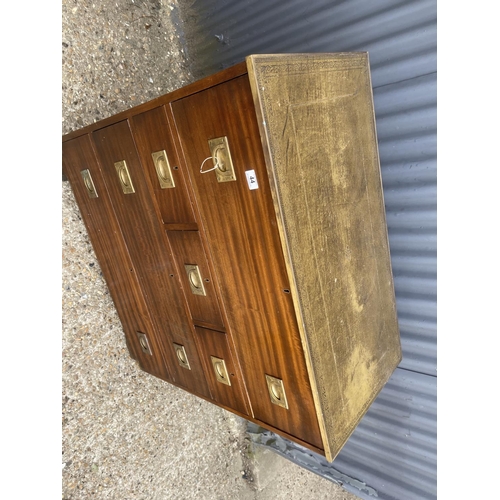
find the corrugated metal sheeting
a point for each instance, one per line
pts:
(392, 453)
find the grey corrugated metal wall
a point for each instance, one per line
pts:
(392, 454)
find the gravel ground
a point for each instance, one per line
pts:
(118, 55)
(126, 434)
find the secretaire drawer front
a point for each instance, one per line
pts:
(82, 170)
(158, 155)
(221, 370)
(239, 218)
(196, 278)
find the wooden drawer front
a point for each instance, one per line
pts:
(186, 369)
(152, 135)
(114, 260)
(221, 371)
(248, 261)
(193, 267)
(143, 232)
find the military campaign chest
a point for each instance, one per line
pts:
(240, 226)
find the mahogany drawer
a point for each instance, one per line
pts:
(187, 369)
(221, 370)
(137, 217)
(83, 173)
(196, 278)
(158, 155)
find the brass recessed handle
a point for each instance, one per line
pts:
(276, 391)
(195, 279)
(162, 166)
(89, 183)
(182, 356)
(221, 158)
(124, 177)
(144, 343)
(220, 369)
(221, 155)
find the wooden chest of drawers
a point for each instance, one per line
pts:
(240, 226)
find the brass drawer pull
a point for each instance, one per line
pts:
(220, 370)
(162, 166)
(89, 183)
(144, 343)
(195, 279)
(124, 177)
(182, 356)
(221, 156)
(276, 391)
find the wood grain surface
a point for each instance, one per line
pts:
(149, 250)
(111, 251)
(151, 133)
(214, 343)
(188, 250)
(246, 252)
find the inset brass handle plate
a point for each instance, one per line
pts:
(220, 370)
(124, 177)
(162, 166)
(143, 341)
(276, 391)
(89, 183)
(195, 279)
(182, 356)
(222, 159)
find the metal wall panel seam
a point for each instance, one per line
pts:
(414, 265)
(410, 244)
(415, 93)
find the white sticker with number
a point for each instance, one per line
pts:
(252, 179)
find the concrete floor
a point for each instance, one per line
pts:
(126, 434)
